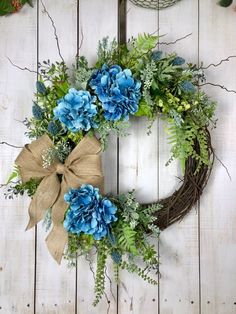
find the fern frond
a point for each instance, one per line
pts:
(127, 239)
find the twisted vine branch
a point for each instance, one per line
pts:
(21, 68)
(8, 144)
(220, 86)
(176, 206)
(54, 30)
(175, 41)
(219, 63)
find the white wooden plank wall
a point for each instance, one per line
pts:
(197, 255)
(217, 214)
(91, 14)
(55, 287)
(138, 170)
(179, 285)
(16, 247)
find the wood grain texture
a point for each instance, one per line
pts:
(192, 280)
(16, 245)
(179, 256)
(218, 216)
(98, 19)
(139, 171)
(55, 285)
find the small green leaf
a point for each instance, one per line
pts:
(13, 175)
(182, 165)
(144, 109)
(61, 89)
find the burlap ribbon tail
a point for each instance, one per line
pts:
(82, 166)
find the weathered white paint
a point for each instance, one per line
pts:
(217, 214)
(139, 171)
(93, 28)
(206, 277)
(55, 285)
(18, 34)
(179, 257)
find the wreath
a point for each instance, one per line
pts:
(72, 117)
(12, 6)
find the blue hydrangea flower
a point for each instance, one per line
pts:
(37, 111)
(89, 212)
(117, 90)
(77, 110)
(187, 87)
(178, 61)
(156, 55)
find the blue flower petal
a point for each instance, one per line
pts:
(88, 212)
(117, 90)
(77, 110)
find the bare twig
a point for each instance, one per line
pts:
(20, 121)
(174, 42)
(54, 29)
(127, 11)
(82, 38)
(155, 32)
(223, 165)
(20, 68)
(218, 85)
(219, 63)
(110, 282)
(81, 42)
(5, 143)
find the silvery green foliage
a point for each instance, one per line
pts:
(134, 213)
(130, 209)
(150, 213)
(47, 221)
(107, 51)
(82, 74)
(119, 128)
(57, 153)
(147, 76)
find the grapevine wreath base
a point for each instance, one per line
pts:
(182, 200)
(61, 168)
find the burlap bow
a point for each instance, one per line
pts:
(83, 165)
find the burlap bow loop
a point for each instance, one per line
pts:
(82, 166)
